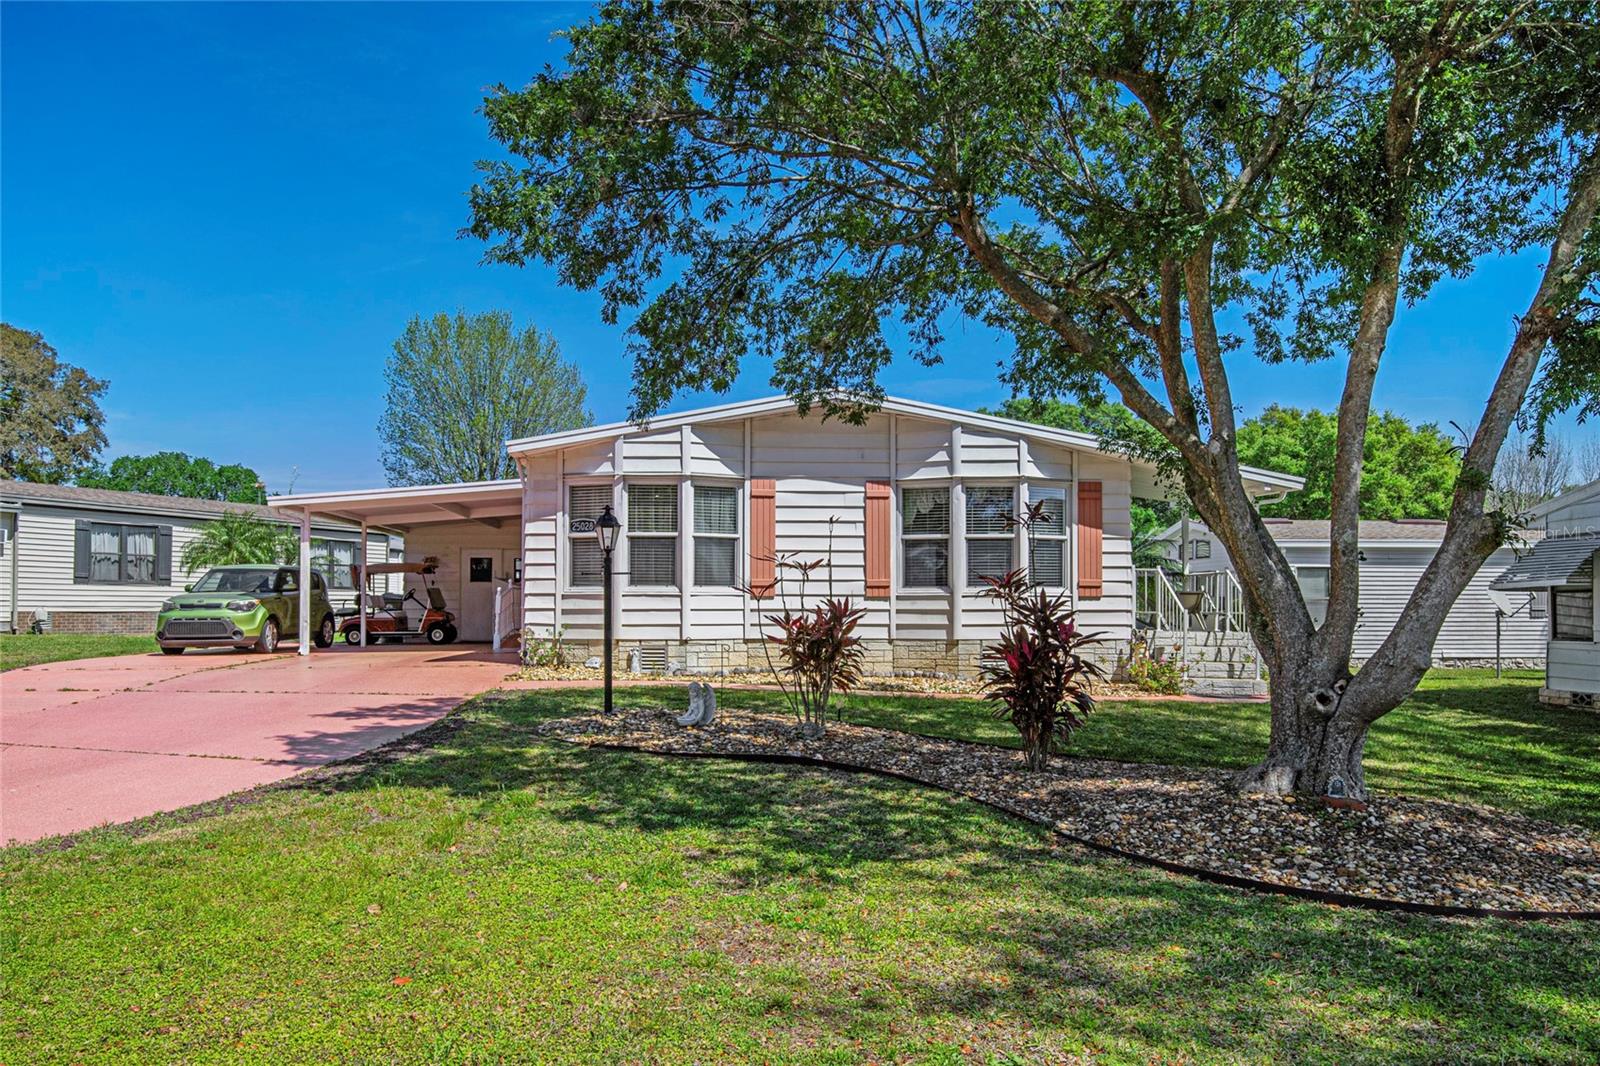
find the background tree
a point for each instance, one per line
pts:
(1111, 183)
(1407, 471)
(1119, 429)
(460, 387)
(1529, 473)
(1588, 461)
(240, 537)
(50, 415)
(178, 474)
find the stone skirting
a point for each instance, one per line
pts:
(1559, 698)
(884, 658)
(101, 623)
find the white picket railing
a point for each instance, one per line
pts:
(1155, 602)
(1221, 610)
(507, 617)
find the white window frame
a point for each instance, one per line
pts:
(633, 536)
(567, 583)
(1037, 491)
(1009, 536)
(331, 567)
(737, 536)
(1199, 548)
(907, 536)
(1327, 570)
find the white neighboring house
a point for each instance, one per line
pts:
(102, 561)
(1393, 557)
(707, 497)
(1566, 563)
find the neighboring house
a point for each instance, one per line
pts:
(101, 561)
(912, 505)
(1565, 562)
(1393, 557)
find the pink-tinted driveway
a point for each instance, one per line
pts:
(93, 741)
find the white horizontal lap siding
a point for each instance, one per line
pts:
(1580, 516)
(541, 556)
(659, 452)
(1571, 666)
(588, 460)
(922, 448)
(1468, 630)
(717, 450)
(1112, 613)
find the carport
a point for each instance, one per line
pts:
(473, 528)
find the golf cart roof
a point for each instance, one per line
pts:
(427, 566)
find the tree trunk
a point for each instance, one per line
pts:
(1317, 740)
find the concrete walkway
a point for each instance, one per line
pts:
(92, 741)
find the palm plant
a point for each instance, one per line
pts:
(239, 537)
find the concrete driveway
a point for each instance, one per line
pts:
(92, 741)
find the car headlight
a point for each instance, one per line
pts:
(243, 606)
(168, 605)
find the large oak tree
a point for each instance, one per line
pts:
(1111, 183)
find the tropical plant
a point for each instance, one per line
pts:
(461, 386)
(1037, 677)
(239, 537)
(1144, 197)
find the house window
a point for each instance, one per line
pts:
(1572, 613)
(587, 563)
(1199, 549)
(334, 558)
(1047, 539)
(716, 535)
(122, 555)
(925, 536)
(1314, 590)
(990, 538)
(653, 536)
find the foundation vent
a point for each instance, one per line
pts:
(648, 659)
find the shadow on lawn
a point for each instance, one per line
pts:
(1047, 935)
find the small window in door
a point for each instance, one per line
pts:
(480, 568)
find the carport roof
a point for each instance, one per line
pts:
(485, 502)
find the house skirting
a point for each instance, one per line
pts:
(1559, 698)
(884, 658)
(105, 623)
(1452, 662)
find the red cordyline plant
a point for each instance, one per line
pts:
(1038, 679)
(817, 646)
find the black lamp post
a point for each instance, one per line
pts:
(605, 531)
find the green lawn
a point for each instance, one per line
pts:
(500, 898)
(28, 649)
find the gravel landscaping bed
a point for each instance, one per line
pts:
(1412, 851)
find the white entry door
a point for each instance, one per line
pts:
(482, 570)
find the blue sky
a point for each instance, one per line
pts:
(231, 211)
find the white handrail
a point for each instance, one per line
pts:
(504, 612)
(1156, 602)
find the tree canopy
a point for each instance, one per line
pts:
(178, 474)
(1407, 471)
(460, 387)
(1111, 183)
(50, 417)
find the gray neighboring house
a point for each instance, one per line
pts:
(1393, 557)
(78, 560)
(1565, 564)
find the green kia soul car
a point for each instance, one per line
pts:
(243, 607)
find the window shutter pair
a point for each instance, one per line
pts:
(81, 553)
(1091, 540)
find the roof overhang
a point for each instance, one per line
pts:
(1256, 481)
(488, 503)
(1556, 560)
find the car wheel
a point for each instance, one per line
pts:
(325, 632)
(268, 642)
(450, 634)
(437, 634)
(171, 651)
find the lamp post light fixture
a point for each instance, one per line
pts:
(605, 531)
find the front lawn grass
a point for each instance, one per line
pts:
(498, 897)
(30, 649)
(1463, 736)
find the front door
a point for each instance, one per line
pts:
(482, 570)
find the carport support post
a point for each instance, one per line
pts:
(362, 594)
(305, 582)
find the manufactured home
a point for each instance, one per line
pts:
(75, 560)
(909, 512)
(1565, 565)
(1479, 628)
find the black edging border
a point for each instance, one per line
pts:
(1315, 895)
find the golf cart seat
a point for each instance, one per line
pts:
(435, 598)
(394, 601)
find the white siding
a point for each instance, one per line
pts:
(820, 470)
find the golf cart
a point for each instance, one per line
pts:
(387, 616)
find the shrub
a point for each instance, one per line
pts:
(1149, 674)
(1039, 681)
(543, 651)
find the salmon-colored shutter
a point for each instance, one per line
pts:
(763, 535)
(1091, 541)
(878, 523)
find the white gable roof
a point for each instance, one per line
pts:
(1260, 482)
